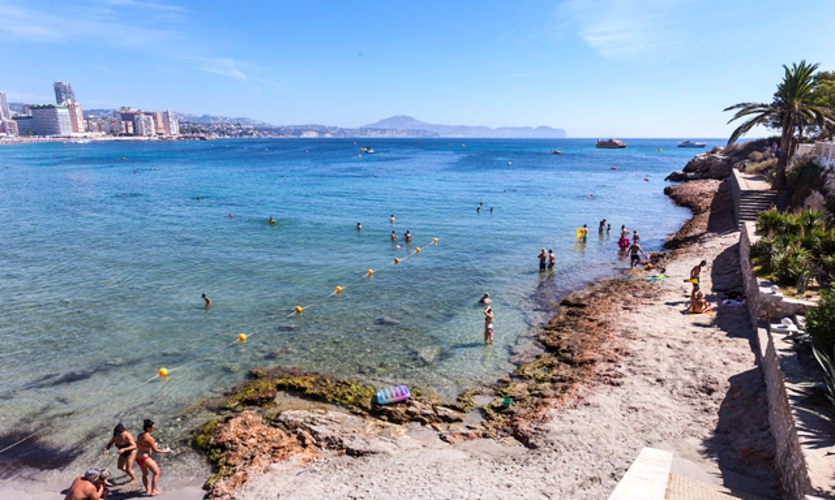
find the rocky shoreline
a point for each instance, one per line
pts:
(284, 415)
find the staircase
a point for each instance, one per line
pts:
(752, 203)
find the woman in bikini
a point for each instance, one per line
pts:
(127, 450)
(488, 325)
(146, 445)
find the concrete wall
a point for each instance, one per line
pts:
(736, 194)
(789, 461)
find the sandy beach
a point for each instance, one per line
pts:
(662, 378)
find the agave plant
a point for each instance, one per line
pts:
(828, 373)
(795, 268)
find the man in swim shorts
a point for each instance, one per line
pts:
(84, 487)
(695, 274)
(543, 260)
(552, 259)
(634, 250)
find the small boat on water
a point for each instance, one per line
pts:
(691, 144)
(367, 150)
(556, 152)
(610, 144)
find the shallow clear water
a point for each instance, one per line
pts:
(107, 247)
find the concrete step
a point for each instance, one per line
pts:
(646, 478)
(684, 488)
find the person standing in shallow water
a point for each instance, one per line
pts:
(552, 259)
(543, 260)
(207, 300)
(488, 325)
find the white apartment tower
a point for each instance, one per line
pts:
(170, 123)
(76, 117)
(5, 114)
(143, 124)
(63, 92)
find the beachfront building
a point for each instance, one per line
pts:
(25, 124)
(143, 124)
(76, 117)
(8, 127)
(63, 92)
(169, 122)
(50, 119)
(5, 113)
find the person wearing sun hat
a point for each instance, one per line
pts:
(84, 487)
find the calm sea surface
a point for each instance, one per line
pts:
(106, 249)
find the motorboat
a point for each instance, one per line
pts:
(610, 144)
(556, 152)
(691, 144)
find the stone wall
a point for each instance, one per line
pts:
(789, 461)
(736, 194)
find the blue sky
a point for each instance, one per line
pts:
(624, 68)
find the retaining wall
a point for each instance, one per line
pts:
(789, 461)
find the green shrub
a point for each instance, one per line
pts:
(770, 222)
(803, 173)
(766, 167)
(795, 267)
(820, 322)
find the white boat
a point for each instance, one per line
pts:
(691, 144)
(610, 144)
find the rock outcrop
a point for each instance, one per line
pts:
(717, 163)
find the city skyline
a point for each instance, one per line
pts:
(597, 68)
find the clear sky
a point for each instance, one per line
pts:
(624, 68)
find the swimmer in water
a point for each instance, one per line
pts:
(207, 300)
(602, 226)
(608, 228)
(485, 299)
(407, 237)
(552, 259)
(478, 210)
(393, 236)
(272, 220)
(491, 210)
(359, 226)
(392, 219)
(230, 215)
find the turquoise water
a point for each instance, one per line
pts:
(106, 249)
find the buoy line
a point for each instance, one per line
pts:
(163, 372)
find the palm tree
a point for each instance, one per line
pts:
(791, 111)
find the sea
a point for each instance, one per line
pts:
(106, 249)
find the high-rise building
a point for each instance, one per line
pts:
(143, 124)
(63, 92)
(170, 123)
(25, 124)
(5, 114)
(50, 119)
(8, 127)
(76, 117)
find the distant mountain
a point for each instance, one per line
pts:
(409, 123)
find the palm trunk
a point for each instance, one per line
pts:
(780, 181)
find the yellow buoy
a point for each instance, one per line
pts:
(417, 249)
(370, 272)
(299, 309)
(396, 260)
(242, 337)
(338, 289)
(434, 241)
(163, 372)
